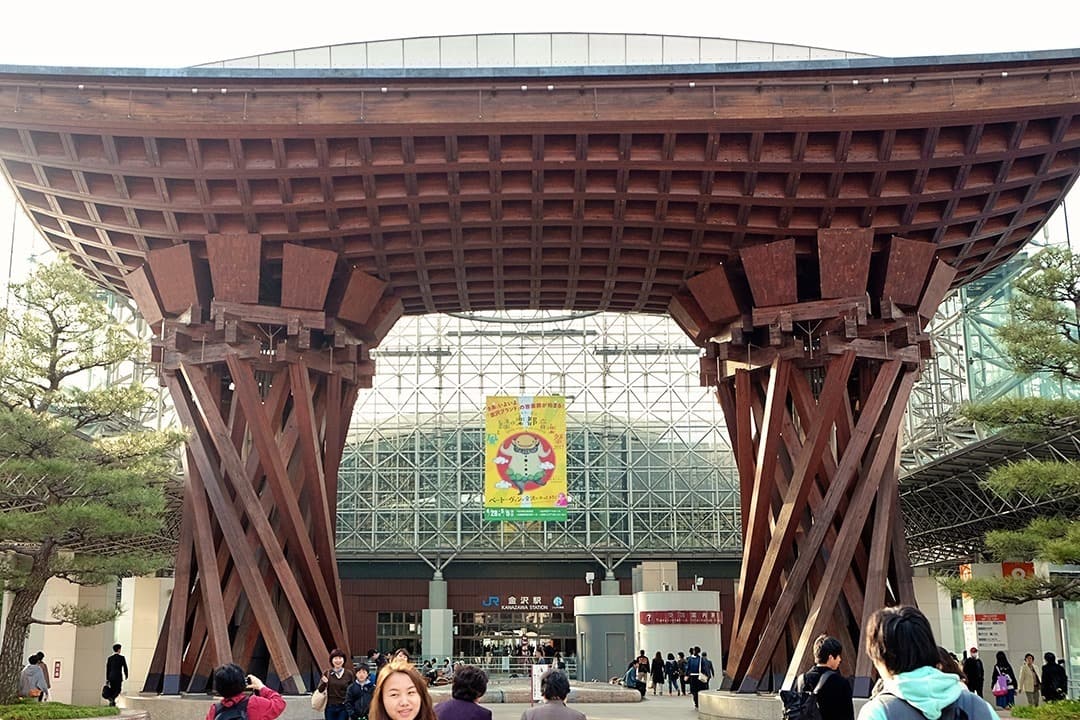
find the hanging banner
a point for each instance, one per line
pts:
(525, 458)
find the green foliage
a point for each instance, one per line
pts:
(1013, 591)
(1035, 478)
(60, 329)
(1042, 335)
(1054, 539)
(1060, 710)
(79, 479)
(1043, 332)
(82, 615)
(34, 710)
(1026, 418)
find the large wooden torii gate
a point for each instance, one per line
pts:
(801, 224)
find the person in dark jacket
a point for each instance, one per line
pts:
(1055, 684)
(833, 689)
(656, 670)
(973, 672)
(470, 684)
(671, 670)
(358, 696)
(335, 683)
(116, 671)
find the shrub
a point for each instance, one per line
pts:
(34, 710)
(1063, 710)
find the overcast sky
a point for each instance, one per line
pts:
(145, 33)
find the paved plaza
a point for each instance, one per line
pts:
(652, 708)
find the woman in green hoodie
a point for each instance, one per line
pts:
(901, 645)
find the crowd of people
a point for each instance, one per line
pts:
(919, 680)
(1047, 683)
(382, 689)
(672, 676)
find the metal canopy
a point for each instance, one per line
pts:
(949, 510)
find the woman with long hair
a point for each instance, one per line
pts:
(400, 694)
(656, 670)
(1004, 690)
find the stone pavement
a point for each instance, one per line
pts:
(658, 707)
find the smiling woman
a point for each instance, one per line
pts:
(401, 694)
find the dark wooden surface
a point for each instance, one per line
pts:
(602, 193)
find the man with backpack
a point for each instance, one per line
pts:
(901, 645)
(230, 682)
(820, 693)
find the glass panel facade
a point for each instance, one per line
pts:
(650, 467)
(394, 630)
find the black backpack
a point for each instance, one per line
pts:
(801, 703)
(232, 712)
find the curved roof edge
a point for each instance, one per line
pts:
(731, 68)
(522, 50)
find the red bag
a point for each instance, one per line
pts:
(1001, 685)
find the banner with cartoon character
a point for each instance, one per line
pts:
(525, 458)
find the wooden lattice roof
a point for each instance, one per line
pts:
(551, 188)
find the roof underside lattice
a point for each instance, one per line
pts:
(592, 192)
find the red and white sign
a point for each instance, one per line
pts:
(680, 617)
(987, 631)
(1019, 570)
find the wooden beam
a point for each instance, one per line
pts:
(235, 266)
(178, 609)
(780, 544)
(712, 291)
(941, 278)
(212, 605)
(142, 292)
(844, 261)
(764, 469)
(187, 408)
(362, 294)
(770, 270)
(387, 312)
(855, 520)
(855, 307)
(314, 486)
(689, 316)
(305, 276)
(877, 573)
(174, 277)
(262, 434)
(905, 271)
(221, 310)
(811, 544)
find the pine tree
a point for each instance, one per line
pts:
(1042, 335)
(73, 490)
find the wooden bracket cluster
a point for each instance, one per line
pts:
(813, 391)
(264, 366)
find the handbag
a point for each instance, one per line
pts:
(106, 692)
(34, 692)
(318, 700)
(1001, 685)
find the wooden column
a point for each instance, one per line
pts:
(814, 383)
(265, 391)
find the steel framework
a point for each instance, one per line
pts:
(651, 469)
